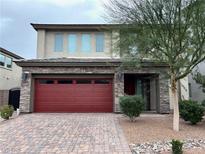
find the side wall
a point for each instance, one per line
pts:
(183, 91)
(10, 78)
(195, 89)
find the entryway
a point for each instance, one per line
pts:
(145, 85)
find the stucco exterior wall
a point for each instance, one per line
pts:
(10, 78)
(195, 89)
(182, 89)
(41, 43)
(46, 39)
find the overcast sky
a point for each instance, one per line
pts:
(18, 36)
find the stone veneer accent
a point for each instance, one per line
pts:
(4, 97)
(164, 106)
(27, 88)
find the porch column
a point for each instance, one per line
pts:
(164, 106)
(118, 89)
(25, 96)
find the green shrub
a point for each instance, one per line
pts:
(131, 106)
(191, 111)
(203, 103)
(6, 111)
(177, 147)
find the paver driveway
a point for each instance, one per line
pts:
(63, 133)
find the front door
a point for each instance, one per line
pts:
(142, 88)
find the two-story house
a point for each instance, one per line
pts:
(10, 74)
(77, 70)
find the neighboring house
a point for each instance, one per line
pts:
(77, 70)
(10, 74)
(195, 89)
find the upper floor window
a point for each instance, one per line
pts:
(2, 60)
(99, 42)
(86, 43)
(72, 43)
(8, 62)
(5, 61)
(58, 42)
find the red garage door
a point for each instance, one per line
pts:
(73, 95)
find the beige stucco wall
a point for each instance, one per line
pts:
(45, 45)
(184, 88)
(10, 78)
(196, 92)
(41, 43)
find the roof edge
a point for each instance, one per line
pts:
(114, 62)
(10, 53)
(37, 26)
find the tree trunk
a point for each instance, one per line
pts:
(175, 104)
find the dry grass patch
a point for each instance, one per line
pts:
(150, 128)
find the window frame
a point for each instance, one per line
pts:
(56, 47)
(6, 62)
(89, 81)
(59, 81)
(102, 81)
(45, 83)
(97, 43)
(89, 43)
(68, 42)
(4, 57)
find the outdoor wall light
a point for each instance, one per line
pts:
(25, 76)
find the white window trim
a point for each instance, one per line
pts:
(5, 67)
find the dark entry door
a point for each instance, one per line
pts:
(142, 87)
(14, 97)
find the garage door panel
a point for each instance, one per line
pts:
(55, 100)
(76, 96)
(75, 108)
(93, 99)
(56, 93)
(55, 89)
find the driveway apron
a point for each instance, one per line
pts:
(63, 133)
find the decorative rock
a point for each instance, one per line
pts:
(162, 146)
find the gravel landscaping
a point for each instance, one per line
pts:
(165, 147)
(152, 133)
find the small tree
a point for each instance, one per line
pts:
(170, 31)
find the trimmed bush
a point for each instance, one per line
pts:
(6, 111)
(177, 147)
(191, 111)
(203, 103)
(131, 106)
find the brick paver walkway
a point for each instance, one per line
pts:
(63, 133)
